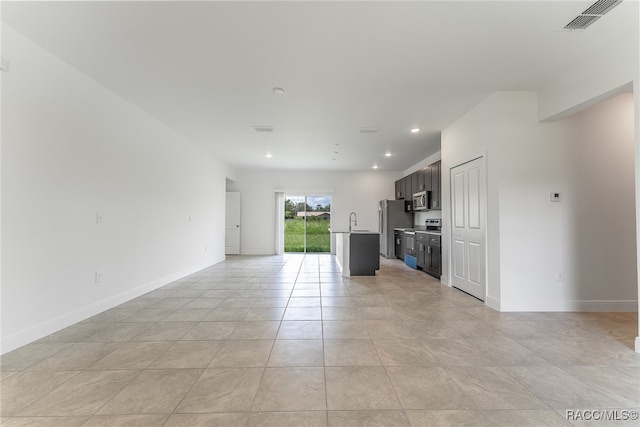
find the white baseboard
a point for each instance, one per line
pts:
(256, 252)
(34, 333)
(572, 305)
(493, 302)
(637, 344)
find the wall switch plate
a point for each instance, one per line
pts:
(98, 276)
(554, 197)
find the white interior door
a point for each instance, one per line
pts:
(468, 201)
(232, 228)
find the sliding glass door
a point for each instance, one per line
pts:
(306, 223)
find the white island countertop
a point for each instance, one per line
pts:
(353, 231)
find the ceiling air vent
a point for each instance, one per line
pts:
(592, 14)
(369, 130)
(263, 128)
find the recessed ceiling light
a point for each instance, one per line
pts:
(387, 154)
(278, 91)
(415, 130)
(375, 166)
(269, 155)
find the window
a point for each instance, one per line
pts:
(307, 220)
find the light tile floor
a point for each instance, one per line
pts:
(285, 341)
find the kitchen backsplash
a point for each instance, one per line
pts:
(420, 217)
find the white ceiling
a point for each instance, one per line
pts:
(207, 69)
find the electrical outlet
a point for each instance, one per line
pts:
(560, 276)
(98, 276)
(99, 218)
(206, 248)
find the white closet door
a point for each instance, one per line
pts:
(468, 196)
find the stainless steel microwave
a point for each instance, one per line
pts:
(421, 201)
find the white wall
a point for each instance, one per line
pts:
(359, 192)
(71, 149)
(589, 237)
(423, 163)
(603, 164)
(599, 77)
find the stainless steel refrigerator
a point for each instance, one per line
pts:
(391, 215)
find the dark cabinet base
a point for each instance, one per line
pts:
(430, 273)
(364, 254)
(429, 254)
(399, 238)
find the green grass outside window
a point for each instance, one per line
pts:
(318, 235)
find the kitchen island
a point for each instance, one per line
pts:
(357, 252)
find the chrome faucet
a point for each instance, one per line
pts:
(355, 222)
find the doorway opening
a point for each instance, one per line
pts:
(307, 220)
(232, 223)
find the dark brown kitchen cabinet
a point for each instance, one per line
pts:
(404, 191)
(400, 189)
(403, 188)
(408, 195)
(422, 241)
(433, 257)
(424, 179)
(429, 253)
(435, 171)
(364, 254)
(399, 243)
(415, 178)
(427, 179)
(420, 180)
(426, 176)
(408, 190)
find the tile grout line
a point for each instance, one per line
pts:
(266, 363)
(446, 302)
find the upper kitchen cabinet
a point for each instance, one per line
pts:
(404, 188)
(408, 188)
(414, 183)
(404, 191)
(427, 179)
(424, 180)
(408, 193)
(435, 171)
(400, 189)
